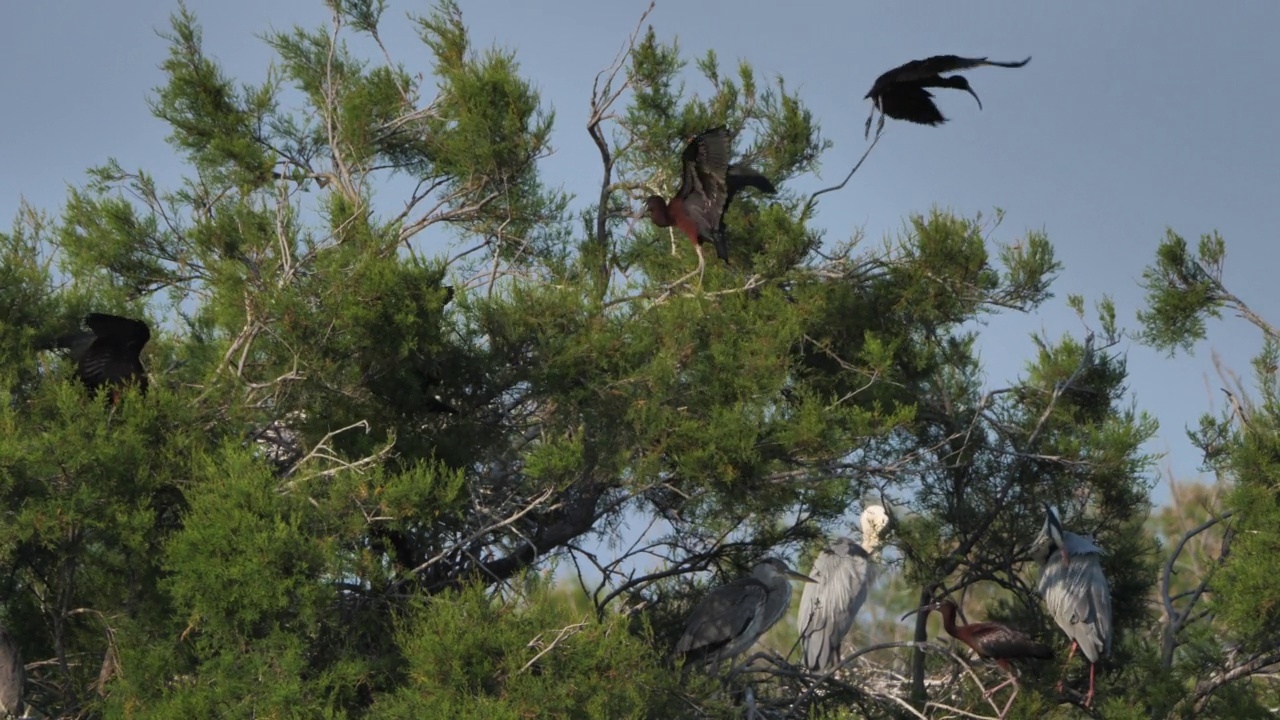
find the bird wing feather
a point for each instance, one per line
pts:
(997, 640)
(724, 616)
(914, 104)
(1079, 599)
(703, 186)
(829, 606)
(127, 331)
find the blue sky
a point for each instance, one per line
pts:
(1130, 117)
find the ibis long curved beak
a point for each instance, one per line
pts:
(975, 97)
(922, 608)
(800, 576)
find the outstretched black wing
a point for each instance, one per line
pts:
(911, 103)
(703, 186)
(932, 67)
(114, 354)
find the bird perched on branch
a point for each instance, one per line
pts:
(707, 184)
(108, 353)
(1075, 591)
(732, 617)
(901, 92)
(843, 573)
(992, 641)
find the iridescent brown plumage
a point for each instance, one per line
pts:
(991, 641)
(108, 353)
(707, 184)
(901, 92)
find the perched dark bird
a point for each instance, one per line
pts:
(13, 676)
(992, 641)
(108, 353)
(707, 184)
(901, 93)
(732, 617)
(1075, 591)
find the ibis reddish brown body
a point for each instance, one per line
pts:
(992, 641)
(902, 93)
(707, 184)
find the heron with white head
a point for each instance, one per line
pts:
(843, 574)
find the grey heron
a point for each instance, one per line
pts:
(732, 617)
(13, 676)
(1075, 591)
(843, 573)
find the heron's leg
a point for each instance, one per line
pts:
(1067, 664)
(866, 133)
(1088, 698)
(880, 126)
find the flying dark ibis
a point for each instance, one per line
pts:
(902, 93)
(707, 184)
(1075, 591)
(108, 353)
(991, 641)
(732, 617)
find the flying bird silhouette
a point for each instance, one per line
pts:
(107, 353)
(901, 92)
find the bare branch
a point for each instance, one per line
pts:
(813, 199)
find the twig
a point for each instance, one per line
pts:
(812, 201)
(565, 632)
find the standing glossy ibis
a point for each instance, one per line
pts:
(707, 184)
(1075, 591)
(901, 93)
(108, 353)
(842, 573)
(992, 641)
(733, 616)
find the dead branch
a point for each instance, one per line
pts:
(1177, 620)
(565, 632)
(813, 199)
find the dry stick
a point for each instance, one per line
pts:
(1179, 620)
(812, 201)
(564, 633)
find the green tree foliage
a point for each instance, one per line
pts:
(1227, 626)
(358, 459)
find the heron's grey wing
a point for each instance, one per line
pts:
(13, 675)
(1079, 600)
(1080, 544)
(724, 619)
(829, 606)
